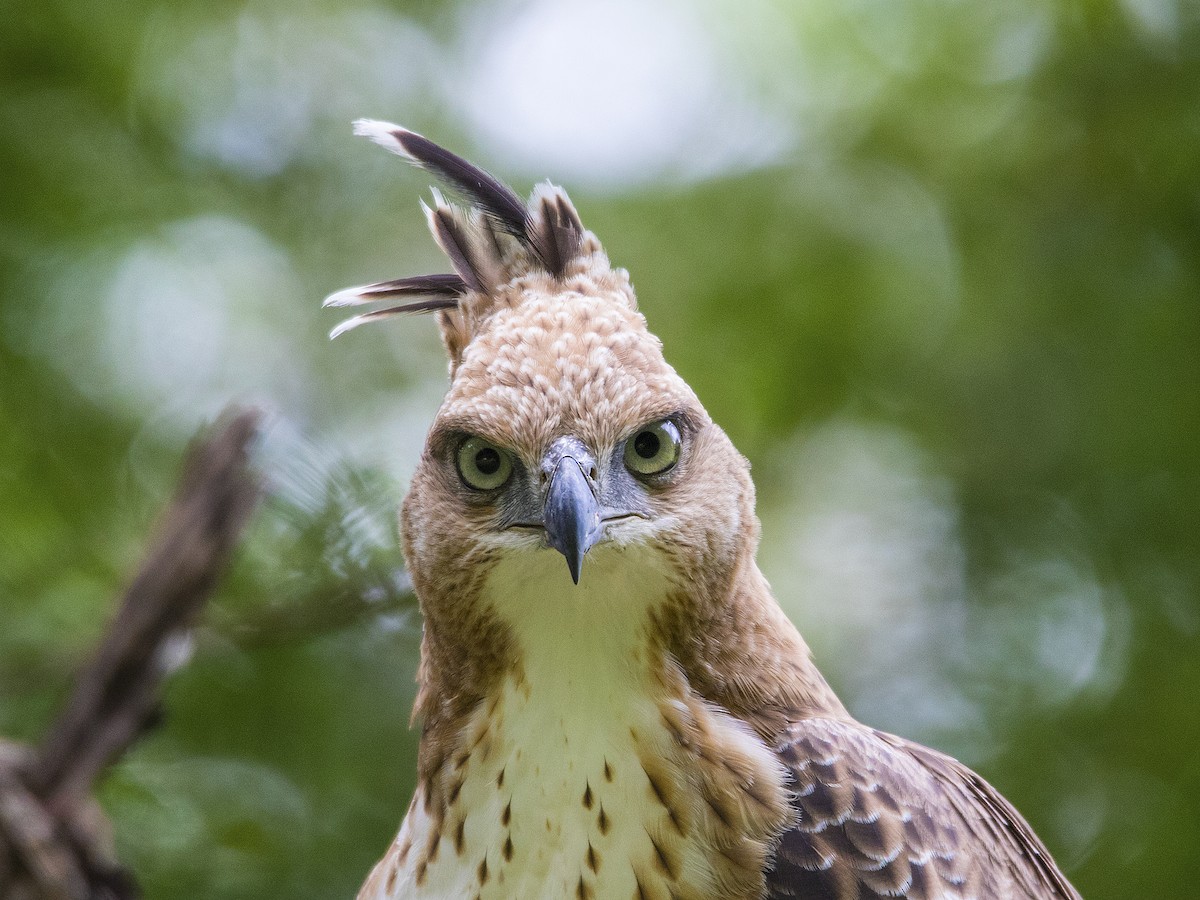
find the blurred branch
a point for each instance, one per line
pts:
(53, 841)
(321, 557)
(317, 613)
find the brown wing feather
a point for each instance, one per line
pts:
(879, 817)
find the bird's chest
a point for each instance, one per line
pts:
(589, 799)
(592, 770)
(553, 800)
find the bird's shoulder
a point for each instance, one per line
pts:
(879, 816)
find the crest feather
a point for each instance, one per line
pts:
(485, 191)
(414, 285)
(490, 241)
(429, 304)
(553, 227)
(469, 244)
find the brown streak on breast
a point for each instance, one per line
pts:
(663, 860)
(431, 849)
(658, 781)
(723, 815)
(740, 855)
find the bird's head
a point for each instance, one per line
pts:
(565, 433)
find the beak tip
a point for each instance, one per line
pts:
(571, 515)
(575, 565)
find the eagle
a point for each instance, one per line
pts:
(642, 722)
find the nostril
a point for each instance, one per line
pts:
(593, 473)
(545, 477)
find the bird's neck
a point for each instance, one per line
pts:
(742, 653)
(630, 629)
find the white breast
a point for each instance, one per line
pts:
(558, 791)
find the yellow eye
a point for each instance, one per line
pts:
(653, 449)
(482, 465)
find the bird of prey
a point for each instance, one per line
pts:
(642, 721)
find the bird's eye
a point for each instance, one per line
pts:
(482, 465)
(653, 449)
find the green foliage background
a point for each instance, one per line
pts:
(952, 317)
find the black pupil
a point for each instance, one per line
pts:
(487, 461)
(646, 444)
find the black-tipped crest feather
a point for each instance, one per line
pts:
(568, 217)
(427, 304)
(457, 246)
(447, 284)
(568, 230)
(424, 305)
(490, 241)
(495, 198)
(553, 229)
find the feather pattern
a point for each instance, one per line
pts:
(447, 285)
(429, 304)
(879, 816)
(470, 250)
(553, 227)
(491, 195)
(492, 241)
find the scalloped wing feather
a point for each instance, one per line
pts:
(879, 817)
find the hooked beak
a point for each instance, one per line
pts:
(571, 514)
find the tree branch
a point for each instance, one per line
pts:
(51, 841)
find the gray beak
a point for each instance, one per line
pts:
(571, 514)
